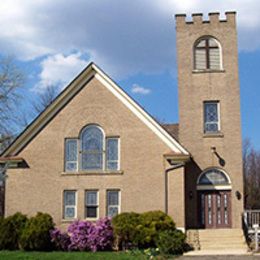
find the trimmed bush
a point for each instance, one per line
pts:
(36, 233)
(10, 231)
(171, 242)
(125, 226)
(153, 222)
(140, 230)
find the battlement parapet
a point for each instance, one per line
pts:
(197, 18)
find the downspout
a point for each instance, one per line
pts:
(174, 167)
(3, 170)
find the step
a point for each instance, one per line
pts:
(222, 247)
(220, 236)
(222, 232)
(223, 244)
(216, 232)
(224, 239)
(226, 252)
(219, 239)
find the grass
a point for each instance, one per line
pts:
(21, 255)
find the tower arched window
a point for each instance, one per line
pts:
(207, 54)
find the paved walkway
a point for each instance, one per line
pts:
(220, 257)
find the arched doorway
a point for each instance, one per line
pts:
(214, 193)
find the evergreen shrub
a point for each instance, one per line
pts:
(11, 229)
(36, 233)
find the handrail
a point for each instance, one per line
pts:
(250, 218)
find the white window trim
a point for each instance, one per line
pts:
(218, 111)
(119, 201)
(77, 161)
(118, 153)
(69, 206)
(97, 217)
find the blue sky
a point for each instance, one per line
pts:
(133, 41)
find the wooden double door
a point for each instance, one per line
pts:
(215, 209)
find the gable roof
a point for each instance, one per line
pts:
(172, 129)
(90, 72)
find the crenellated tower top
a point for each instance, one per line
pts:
(197, 19)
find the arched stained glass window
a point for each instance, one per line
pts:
(213, 176)
(207, 54)
(92, 151)
(92, 142)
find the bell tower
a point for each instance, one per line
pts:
(209, 113)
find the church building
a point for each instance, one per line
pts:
(95, 152)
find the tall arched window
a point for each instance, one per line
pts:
(92, 148)
(92, 151)
(207, 54)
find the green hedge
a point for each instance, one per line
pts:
(140, 230)
(36, 233)
(171, 242)
(10, 231)
(19, 232)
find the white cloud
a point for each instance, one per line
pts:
(58, 70)
(132, 37)
(136, 89)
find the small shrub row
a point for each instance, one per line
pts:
(19, 232)
(148, 230)
(85, 236)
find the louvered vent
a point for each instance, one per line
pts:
(200, 59)
(207, 54)
(214, 59)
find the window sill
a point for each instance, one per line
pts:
(68, 220)
(91, 219)
(213, 135)
(118, 172)
(208, 71)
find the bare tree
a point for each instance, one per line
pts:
(11, 81)
(45, 99)
(251, 168)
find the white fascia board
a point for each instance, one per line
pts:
(139, 112)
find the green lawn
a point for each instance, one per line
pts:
(20, 255)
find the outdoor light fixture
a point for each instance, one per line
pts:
(213, 149)
(238, 195)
